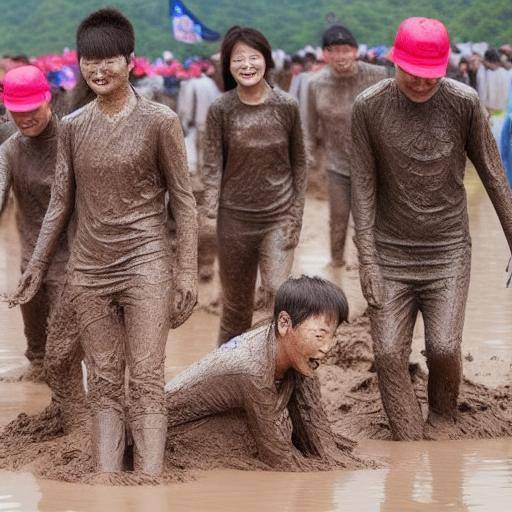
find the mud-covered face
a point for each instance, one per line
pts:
(341, 58)
(416, 88)
(247, 65)
(106, 76)
(307, 343)
(33, 123)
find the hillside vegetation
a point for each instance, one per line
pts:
(41, 26)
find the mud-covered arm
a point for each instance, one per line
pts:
(364, 186)
(186, 104)
(312, 432)
(311, 124)
(272, 438)
(62, 200)
(483, 153)
(5, 175)
(299, 166)
(213, 161)
(506, 146)
(173, 163)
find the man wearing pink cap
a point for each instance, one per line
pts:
(27, 164)
(412, 135)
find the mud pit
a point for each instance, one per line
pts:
(447, 472)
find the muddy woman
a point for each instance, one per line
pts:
(117, 158)
(412, 136)
(254, 176)
(27, 166)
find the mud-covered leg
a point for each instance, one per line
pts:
(103, 338)
(339, 213)
(275, 265)
(392, 330)
(62, 364)
(443, 306)
(147, 326)
(238, 245)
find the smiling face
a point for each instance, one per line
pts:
(416, 88)
(341, 58)
(106, 76)
(33, 123)
(307, 343)
(247, 65)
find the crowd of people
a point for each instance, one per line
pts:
(120, 199)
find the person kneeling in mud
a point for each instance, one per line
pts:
(268, 372)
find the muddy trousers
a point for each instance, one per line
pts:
(119, 329)
(442, 304)
(35, 321)
(63, 363)
(339, 213)
(243, 246)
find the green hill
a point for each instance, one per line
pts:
(40, 26)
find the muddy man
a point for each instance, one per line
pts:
(411, 137)
(117, 159)
(27, 165)
(268, 372)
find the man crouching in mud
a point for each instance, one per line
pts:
(412, 135)
(268, 372)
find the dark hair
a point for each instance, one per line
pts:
(104, 34)
(306, 296)
(338, 34)
(492, 55)
(251, 37)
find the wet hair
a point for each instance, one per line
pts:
(104, 34)
(251, 37)
(338, 35)
(305, 296)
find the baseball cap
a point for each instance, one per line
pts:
(25, 89)
(338, 34)
(422, 47)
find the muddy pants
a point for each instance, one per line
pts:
(442, 304)
(127, 327)
(339, 213)
(35, 321)
(242, 247)
(63, 362)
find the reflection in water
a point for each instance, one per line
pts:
(452, 475)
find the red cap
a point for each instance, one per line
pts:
(422, 47)
(25, 89)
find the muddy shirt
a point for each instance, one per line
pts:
(115, 172)
(329, 107)
(27, 164)
(255, 164)
(240, 375)
(408, 165)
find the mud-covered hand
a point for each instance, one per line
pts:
(372, 284)
(29, 284)
(184, 299)
(291, 234)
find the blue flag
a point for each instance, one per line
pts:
(187, 28)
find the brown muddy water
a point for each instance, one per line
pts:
(423, 476)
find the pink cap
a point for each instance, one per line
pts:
(422, 47)
(25, 89)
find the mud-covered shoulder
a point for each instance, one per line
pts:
(373, 94)
(225, 102)
(373, 70)
(284, 98)
(460, 90)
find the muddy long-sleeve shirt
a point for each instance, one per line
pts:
(27, 166)
(329, 110)
(255, 164)
(114, 172)
(408, 163)
(240, 375)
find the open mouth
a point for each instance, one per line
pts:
(100, 81)
(313, 363)
(248, 76)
